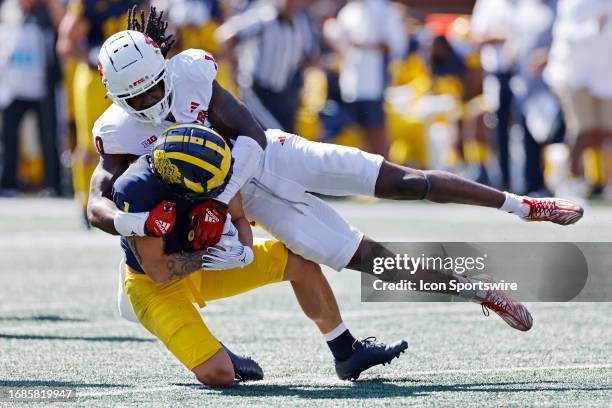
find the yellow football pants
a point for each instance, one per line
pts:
(166, 308)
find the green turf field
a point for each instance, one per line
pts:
(59, 326)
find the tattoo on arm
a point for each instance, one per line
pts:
(134, 248)
(184, 263)
(178, 265)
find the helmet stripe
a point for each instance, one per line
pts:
(218, 178)
(192, 139)
(193, 186)
(218, 173)
(193, 160)
(201, 157)
(215, 147)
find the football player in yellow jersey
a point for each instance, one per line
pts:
(165, 276)
(81, 33)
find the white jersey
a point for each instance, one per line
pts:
(193, 73)
(278, 197)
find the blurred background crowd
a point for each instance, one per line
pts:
(512, 93)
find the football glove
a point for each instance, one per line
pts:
(206, 222)
(161, 219)
(229, 252)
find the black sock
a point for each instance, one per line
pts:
(342, 346)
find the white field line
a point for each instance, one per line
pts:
(320, 380)
(18, 307)
(220, 310)
(512, 369)
(417, 307)
(140, 390)
(392, 310)
(43, 326)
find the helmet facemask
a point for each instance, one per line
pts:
(131, 63)
(156, 113)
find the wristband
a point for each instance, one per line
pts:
(131, 224)
(247, 155)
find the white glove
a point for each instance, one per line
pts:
(229, 252)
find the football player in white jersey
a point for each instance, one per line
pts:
(274, 171)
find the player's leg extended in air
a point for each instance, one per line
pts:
(278, 199)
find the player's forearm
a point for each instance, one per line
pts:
(245, 234)
(101, 210)
(101, 214)
(161, 267)
(232, 118)
(182, 264)
(251, 128)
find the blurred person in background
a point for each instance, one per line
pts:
(492, 24)
(367, 35)
(473, 144)
(579, 71)
(444, 60)
(538, 111)
(195, 22)
(81, 33)
(28, 73)
(273, 42)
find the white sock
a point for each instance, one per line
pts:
(514, 205)
(336, 332)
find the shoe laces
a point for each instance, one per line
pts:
(368, 341)
(542, 207)
(496, 300)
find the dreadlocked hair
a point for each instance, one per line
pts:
(154, 27)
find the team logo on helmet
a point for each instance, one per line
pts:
(167, 170)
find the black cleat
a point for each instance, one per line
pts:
(245, 368)
(368, 353)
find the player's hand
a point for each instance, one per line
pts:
(161, 219)
(229, 252)
(206, 222)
